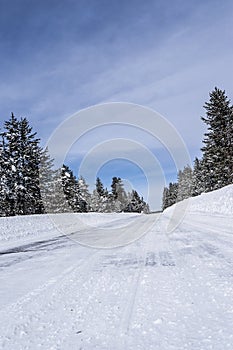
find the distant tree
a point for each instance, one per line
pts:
(47, 182)
(169, 195)
(185, 181)
(173, 192)
(146, 209)
(99, 187)
(118, 194)
(95, 202)
(100, 200)
(165, 199)
(59, 202)
(71, 190)
(84, 195)
(198, 185)
(136, 204)
(114, 186)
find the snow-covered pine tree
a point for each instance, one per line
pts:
(118, 194)
(165, 198)
(114, 187)
(99, 187)
(169, 195)
(70, 188)
(173, 191)
(108, 202)
(11, 150)
(100, 199)
(30, 155)
(184, 183)
(95, 202)
(146, 209)
(217, 150)
(58, 202)
(4, 204)
(144, 206)
(84, 195)
(198, 185)
(47, 182)
(229, 145)
(23, 154)
(136, 202)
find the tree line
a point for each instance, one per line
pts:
(29, 184)
(214, 169)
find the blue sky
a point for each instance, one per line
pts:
(57, 57)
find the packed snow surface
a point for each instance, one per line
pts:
(164, 291)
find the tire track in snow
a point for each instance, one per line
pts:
(158, 260)
(148, 257)
(38, 307)
(198, 278)
(124, 324)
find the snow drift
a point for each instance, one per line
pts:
(219, 202)
(35, 227)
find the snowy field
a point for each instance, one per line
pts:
(165, 291)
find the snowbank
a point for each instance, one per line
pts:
(35, 227)
(219, 202)
(22, 226)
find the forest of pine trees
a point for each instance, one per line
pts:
(29, 184)
(215, 169)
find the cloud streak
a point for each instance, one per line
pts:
(58, 57)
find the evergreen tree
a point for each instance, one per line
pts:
(70, 189)
(173, 192)
(11, 151)
(84, 195)
(47, 182)
(184, 183)
(165, 198)
(136, 204)
(23, 153)
(108, 202)
(114, 187)
(95, 202)
(169, 195)
(58, 202)
(100, 201)
(146, 209)
(30, 153)
(99, 187)
(198, 185)
(217, 159)
(118, 194)
(4, 209)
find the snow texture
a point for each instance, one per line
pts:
(162, 292)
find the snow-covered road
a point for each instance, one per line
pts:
(164, 291)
